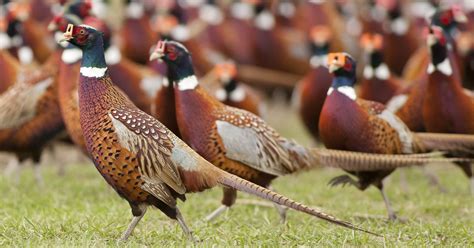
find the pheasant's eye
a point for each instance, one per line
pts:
(82, 31)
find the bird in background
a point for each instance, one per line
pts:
(139, 157)
(447, 106)
(378, 82)
(351, 123)
(233, 93)
(310, 92)
(241, 143)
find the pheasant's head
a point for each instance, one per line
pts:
(448, 17)
(82, 36)
(371, 42)
(225, 71)
(173, 53)
(320, 34)
(341, 64)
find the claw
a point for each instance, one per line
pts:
(342, 180)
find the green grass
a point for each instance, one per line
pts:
(79, 209)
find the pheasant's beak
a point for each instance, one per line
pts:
(333, 67)
(430, 40)
(67, 36)
(156, 55)
(159, 51)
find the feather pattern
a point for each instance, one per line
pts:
(150, 140)
(18, 105)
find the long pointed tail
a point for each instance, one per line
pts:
(454, 144)
(240, 184)
(356, 161)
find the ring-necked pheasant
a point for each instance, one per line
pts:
(447, 107)
(351, 123)
(243, 144)
(311, 91)
(129, 77)
(30, 115)
(233, 93)
(399, 28)
(408, 105)
(138, 156)
(379, 84)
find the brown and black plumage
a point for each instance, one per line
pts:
(351, 123)
(447, 106)
(138, 156)
(30, 113)
(240, 142)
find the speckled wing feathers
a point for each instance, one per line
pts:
(152, 144)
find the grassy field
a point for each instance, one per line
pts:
(79, 209)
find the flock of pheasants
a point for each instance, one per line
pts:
(158, 124)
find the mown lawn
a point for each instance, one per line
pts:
(79, 209)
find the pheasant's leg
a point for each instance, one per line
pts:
(13, 170)
(227, 201)
(38, 176)
(391, 213)
(403, 180)
(433, 179)
(282, 210)
(132, 225)
(183, 225)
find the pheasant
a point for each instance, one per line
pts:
(13, 38)
(311, 91)
(448, 17)
(30, 114)
(351, 123)
(139, 157)
(128, 76)
(240, 142)
(31, 43)
(136, 33)
(447, 107)
(233, 93)
(399, 28)
(409, 103)
(379, 84)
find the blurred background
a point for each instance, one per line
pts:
(268, 57)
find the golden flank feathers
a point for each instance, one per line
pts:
(151, 142)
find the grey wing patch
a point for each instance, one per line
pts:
(396, 103)
(152, 144)
(254, 149)
(18, 104)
